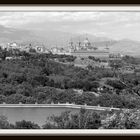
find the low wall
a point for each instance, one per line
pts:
(60, 105)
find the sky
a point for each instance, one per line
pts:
(116, 25)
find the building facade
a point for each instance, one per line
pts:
(85, 49)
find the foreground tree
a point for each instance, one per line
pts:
(4, 124)
(127, 119)
(82, 120)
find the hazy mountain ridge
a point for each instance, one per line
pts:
(129, 47)
(14, 34)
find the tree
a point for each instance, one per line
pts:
(2, 99)
(116, 84)
(4, 124)
(82, 120)
(8, 89)
(109, 100)
(3, 54)
(25, 89)
(17, 78)
(127, 119)
(32, 50)
(15, 99)
(116, 64)
(41, 97)
(30, 100)
(26, 125)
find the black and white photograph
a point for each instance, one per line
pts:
(69, 70)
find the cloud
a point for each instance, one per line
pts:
(115, 24)
(19, 18)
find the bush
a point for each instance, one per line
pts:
(26, 125)
(4, 124)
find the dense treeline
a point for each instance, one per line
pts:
(39, 78)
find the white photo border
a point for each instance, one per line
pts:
(66, 8)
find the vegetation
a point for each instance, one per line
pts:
(4, 124)
(26, 125)
(128, 119)
(84, 119)
(33, 77)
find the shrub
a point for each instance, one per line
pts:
(26, 125)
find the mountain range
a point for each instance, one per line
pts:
(51, 38)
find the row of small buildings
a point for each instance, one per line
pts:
(82, 49)
(39, 48)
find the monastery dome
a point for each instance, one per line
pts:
(86, 41)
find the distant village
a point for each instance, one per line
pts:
(25, 47)
(83, 49)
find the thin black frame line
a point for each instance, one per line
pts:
(72, 11)
(79, 134)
